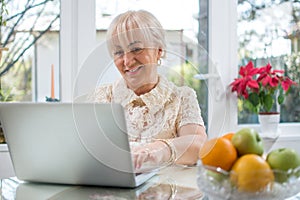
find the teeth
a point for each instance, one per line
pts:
(133, 70)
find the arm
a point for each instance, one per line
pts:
(191, 136)
(191, 132)
(187, 146)
(190, 140)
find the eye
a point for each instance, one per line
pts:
(136, 50)
(118, 53)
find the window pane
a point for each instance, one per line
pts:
(268, 32)
(31, 35)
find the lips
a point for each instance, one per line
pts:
(134, 70)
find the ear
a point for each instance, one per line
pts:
(159, 53)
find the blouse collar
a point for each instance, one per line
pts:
(155, 98)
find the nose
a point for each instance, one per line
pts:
(128, 59)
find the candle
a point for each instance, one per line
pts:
(52, 82)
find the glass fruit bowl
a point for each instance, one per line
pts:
(217, 184)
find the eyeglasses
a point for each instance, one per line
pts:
(135, 51)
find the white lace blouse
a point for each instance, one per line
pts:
(156, 114)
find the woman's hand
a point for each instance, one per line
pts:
(186, 146)
(151, 155)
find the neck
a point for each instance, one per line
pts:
(146, 88)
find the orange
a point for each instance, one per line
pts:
(218, 152)
(228, 136)
(251, 173)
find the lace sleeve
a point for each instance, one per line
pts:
(190, 112)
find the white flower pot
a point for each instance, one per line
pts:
(269, 124)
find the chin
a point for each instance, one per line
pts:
(134, 82)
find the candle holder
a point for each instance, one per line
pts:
(49, 99)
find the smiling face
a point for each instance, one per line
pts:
(137, 63)
(136, 41)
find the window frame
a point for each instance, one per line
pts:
(221, 52)
(77, 40)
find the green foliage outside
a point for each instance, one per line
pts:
(3, 12)
(291, 107)
(16, 84)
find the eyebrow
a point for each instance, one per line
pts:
(134, 42)
(130, 44)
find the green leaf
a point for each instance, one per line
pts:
(268, 102)
(249, 106)
(280, 98)
(254, 99)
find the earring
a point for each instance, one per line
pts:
(159, 62)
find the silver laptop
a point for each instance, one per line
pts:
(70, 143)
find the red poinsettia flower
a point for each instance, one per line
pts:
(269, 76)
(241, 85)
(287, 83)
(261, 83)
(249, 70)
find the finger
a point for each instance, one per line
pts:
(143, 156)
(135, 158)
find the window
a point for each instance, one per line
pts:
(268, 32)
(32, 38)
(223, 51)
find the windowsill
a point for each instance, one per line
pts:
(3, 148)
(288, 130)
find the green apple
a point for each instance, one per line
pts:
(217, 176)
(283, 159)
(247, 141)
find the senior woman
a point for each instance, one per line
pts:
(163, 118)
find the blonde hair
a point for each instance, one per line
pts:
(132, 24)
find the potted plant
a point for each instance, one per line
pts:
(261, 89)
